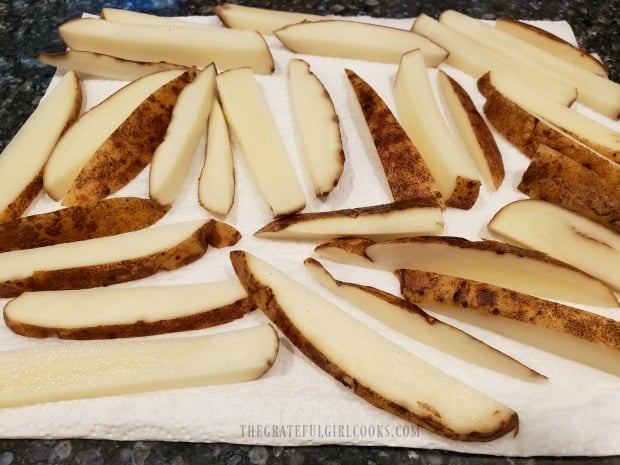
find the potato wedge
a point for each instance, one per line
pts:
(562, 234)
(183, 45)
(389, 377)
(411, 320)
(119, 15)
(172, 158)
(561, 180)
(318, 127)
(449, 163)
(103, 66)
(258, 19)
(494, 262)
(593, 90)
(406, 171)
(111, 259)
(23, 159)
(74, 151)
(253, 126)
(109, 313)
(87, 369)
(551, 43)
(570, 332)
(216, 185)
(387, 221)
(473, 130)
(103, 218)
(357, 40)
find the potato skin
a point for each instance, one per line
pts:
(98, 219)
(423, 287)
(129, 149)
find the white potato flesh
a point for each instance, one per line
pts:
(386, 368)
(82, 140)
(439, 335)
(23, 263)
(475, 59)
(103, 66)
(216, 186)
(88, 308)
(26, 154)
(318, 127)
(86, 369)
(183, 45)
(172, 158)
(593, 90)
(118, 15)
(258, 19)
(357, 40)
(421, 119)
(252, 124)
(563, 235)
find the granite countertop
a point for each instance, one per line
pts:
(28, 27)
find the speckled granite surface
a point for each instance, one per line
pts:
(28, 27)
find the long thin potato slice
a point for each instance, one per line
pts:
(23, 159)
(357, 40)
(118, 15)
(411, 320)
(108, 313)
(375, 368)
(86, 369)
(183, 45)
(567, 331)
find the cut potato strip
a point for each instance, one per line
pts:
(111, 259)
(569, 332)
(73, 151)
(357, 40)
(551, 43)
(172, 158)
(498, 263)
(386, 376)
(475, 59)
(593, 90)
(216, 185)
(473, 130)
(118, 15)
(103, 66)
(412, 321)
(23, 159)
(258, 19)
(406, 171)
(562, 234)
(447, 160)
(387, 221)
(108, 313)
(318, 127)
(104, 218)
(184, 45)
(249, 118)
(86, 369)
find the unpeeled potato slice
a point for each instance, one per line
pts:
(411, 320)
(375, 368)
(87, 369)
(107, 313)
(119, 15)
(111, 259)
(23, 159)
(173, 156)
(567, 331)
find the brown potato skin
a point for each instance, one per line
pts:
(465, 193)
(425, 287)
(129, 149)
(558, 179)
(405, 169)
(187, 251)
(205, 319)
(353, 245)
(98, 219)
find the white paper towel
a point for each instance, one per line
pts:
(577, 412)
